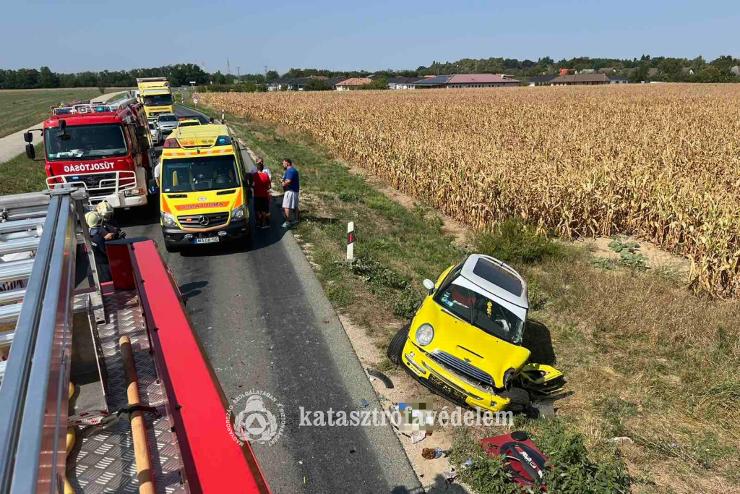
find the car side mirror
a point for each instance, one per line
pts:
(30, 151)
(429, 285)
(28, 136)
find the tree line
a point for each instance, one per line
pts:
(645, 68)
(178, 75)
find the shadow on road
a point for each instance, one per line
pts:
(537, 340)
(192, 289)
(440, 485)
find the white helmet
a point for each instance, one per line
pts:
(105, 210)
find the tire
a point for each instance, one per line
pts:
(395, 347)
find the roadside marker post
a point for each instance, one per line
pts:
(350, 241)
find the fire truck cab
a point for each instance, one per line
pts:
(101, 148)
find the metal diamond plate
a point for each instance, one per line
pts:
(103, 461)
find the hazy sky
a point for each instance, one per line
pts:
(94, 35)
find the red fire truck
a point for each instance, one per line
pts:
(104, 148)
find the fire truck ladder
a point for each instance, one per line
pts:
(39, 236)
(116, 366)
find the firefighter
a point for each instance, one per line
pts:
(105, 211)
(98, 237)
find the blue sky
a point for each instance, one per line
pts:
(94, 35)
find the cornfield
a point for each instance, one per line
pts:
(661, 162)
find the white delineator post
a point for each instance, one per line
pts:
(350, 240)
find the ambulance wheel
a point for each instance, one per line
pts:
(395, 347)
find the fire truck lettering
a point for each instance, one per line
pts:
(89, 167)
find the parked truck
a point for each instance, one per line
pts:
(155, 95)
(102, 148)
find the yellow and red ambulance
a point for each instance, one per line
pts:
(203, 188)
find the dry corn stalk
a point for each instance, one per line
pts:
(659, 161)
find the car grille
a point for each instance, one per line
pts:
(203, 220)
(460, 366)
(92, 180)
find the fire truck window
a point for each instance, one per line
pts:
(85, 142)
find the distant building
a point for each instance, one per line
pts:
(541, 80)
(580, 80)
(465, 81)
(735, 70)
(352, 83)
(298, 83)
(618, 80)
(587, 71)
(401, 82)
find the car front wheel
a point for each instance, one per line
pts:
(395, 347)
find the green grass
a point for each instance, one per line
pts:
(644, 357)
(22, 108)
(22, 174)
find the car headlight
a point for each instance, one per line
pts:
(508, 376)
(168, 220)
(239, 213)
(424, 334)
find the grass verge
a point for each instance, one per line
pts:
(25, 107)
(22, 174)
(651, 366)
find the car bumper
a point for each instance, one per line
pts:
(440, 379)
(235, 230)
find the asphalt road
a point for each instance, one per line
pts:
(266, 324)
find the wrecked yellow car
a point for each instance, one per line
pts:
(465, 340)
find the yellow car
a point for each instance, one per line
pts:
(465, 339)
(203, 187)
(187, 122)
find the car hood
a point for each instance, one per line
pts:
(469, 343)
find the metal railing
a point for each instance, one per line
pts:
(97, 184)
(33, 393)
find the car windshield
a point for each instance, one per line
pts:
(481, 311)
(167, 118)
(158, 100)
(85, 142)
(194, 174)
(188, 123)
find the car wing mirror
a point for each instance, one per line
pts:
(30, 151)
(28, 136)
(429, 285)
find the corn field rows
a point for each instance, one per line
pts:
(659, 161)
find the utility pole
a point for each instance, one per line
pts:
(238, 72)
(228, 66)
(265, 73)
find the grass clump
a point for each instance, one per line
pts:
(514, 241)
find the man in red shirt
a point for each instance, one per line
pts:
(262, 183)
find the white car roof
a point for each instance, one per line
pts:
(497, 278)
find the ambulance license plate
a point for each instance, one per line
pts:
(207, 240)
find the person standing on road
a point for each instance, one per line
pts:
(262, 183)
(291, 186)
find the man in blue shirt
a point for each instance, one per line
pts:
(291, 187)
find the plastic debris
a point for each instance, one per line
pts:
(379, 375)
(433, 453)
(364, 403)
(418, 436)
(467, 463)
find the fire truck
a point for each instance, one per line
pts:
(155, 95)
(105, 387)
(103, 148)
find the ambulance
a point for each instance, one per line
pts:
(203, 188)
